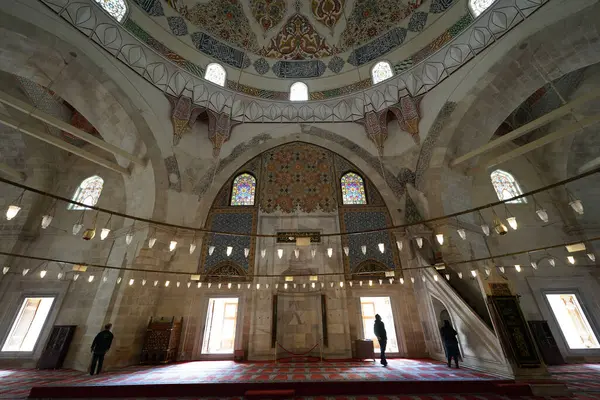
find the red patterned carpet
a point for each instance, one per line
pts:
(16, 384)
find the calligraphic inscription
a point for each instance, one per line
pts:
(290, 237)
(500, 289)
(515, 330)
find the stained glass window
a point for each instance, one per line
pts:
(381, 71)
(353, 189)
(506, 186)
(87, 193)
(116, 8)
(479, 6)
(216, 74)
(299, 92)
(244, 188)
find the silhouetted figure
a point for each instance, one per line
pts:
(450, 343)
(100, 346)
(381, 337)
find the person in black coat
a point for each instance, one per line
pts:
(381, 337)
(450, 343)
(100, 346)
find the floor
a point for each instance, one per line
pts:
(584, 379)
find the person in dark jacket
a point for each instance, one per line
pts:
(100, 346)
(450, 343)
(381, 337)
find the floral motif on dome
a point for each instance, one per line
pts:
(268, 13)
(298, 40)
(328, 12)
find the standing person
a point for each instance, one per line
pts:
(450, 343)
(381, 337)
(100, 346)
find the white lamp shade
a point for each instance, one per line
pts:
(192, 248)
(363, 248)
(43, 273)
(576, 205)
(447, 277)
(46, 221)
(512, 221)
(420, 242)
(263, 253)
(341, 284)
(131, 282)
(12, 211)
(518, 268)
(501, 269)
(211, 249)
(381, 247)
(571, 259)
(229, 285)
(155, 283)
(412, 280)
(229, 250)
(104, 233)
(280, 253)
(591, 256)
(440, 238)
(5, 270)
(329, 252)
(172, 245)
(151, 242)
(128, 238)
(346, 250)
(119, 279)
(76, 228)
(473, 273)
(75, 277)
(460, 275)
(178, 283)
(199, 285)
(209, 285)
(25, 271)
(485, 228)
(218, 286)
(370, 283)
(189, 284)
(402, 281)
(399, 245)
(488, 272)
(246, 252)
(313, 253)
(60, 275)
(144, 282)
(91, 278)
(296, 253)
(534, 265)
(462, 233)
(542, 214)
(435, 278)
(552, 262)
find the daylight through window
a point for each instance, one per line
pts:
(299, 92)
(572, 321)
(506, 186)
(28, 325)
(216, 74)
(243, 190)
(479, 6)
(381, 71)
(116, 8)
(353, 189)
(87, 193)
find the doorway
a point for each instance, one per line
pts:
(219, 331)
(378, 305)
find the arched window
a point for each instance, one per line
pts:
(479, 6)
(353, 189)
(116, 8)
(87, 193)
(243, 190)
(381, 71)
(506, 186)
(216, 74)
(299, 92)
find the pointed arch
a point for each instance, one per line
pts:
(298, 91)
(381, 71)
(353, 189)
(477, 7)
(507, 187)
(243, 190)
(88, 193)
(216, 74)
(115, 8)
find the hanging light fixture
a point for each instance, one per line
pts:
(89, 233)
(75, 277)
(211, 250)
(263, 253)
(172, 245)
(257, 286)
(541, 212)
(399, 245)
(460, 275)
(178, 283)
(329, 252)
(285, 286)
(485, 228)
(296, 253)
(119, 279)
(575, 203)
(209, 284)
(473, 273)
(350, 283)
(5, 270)
(152, 239)
(501, 268)
(192, 247)
(518, 267)
(360, 283)
(129, 235)
(370, 283)
(218, 286)
(419, 242)
(435, 278)
(440, 238)
(499, 227)
(363, 249)
(43, 273)
(330, 284)
(15, 207)
(571, 259)
(199, 285)
(246, 252)
(312, 285)
(79, 224)
(280, 253)
(49, 216)
(381, 247)
(341, 284)
(91, 278)
(229, 285)
(461, 232)
(106, 230)
(313, 253)
(131, 282)
(167, 283)
(487, 271)
(346, 250)
(512, 221)
(155, 283)
(60, 275)
(239, 286)
(188, 284)
(591, 256)
(552, 262)
(402, 281)
(534, 265)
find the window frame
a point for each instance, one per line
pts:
(75, 197)
(516, 184)
(364, 188)
(386, 79)
(125, 16)
(214, 83)
(299, 83)
(11, 318)
(232, 185)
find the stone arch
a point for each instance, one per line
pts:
(390, 196)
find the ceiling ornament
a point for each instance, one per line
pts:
(408, 116)
(375, 124)
(268, 13)
(328, 12)
(219, 129)
(298, 40)
(183, 115)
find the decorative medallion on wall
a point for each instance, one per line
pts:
(268, 13)
(328, 12)
(299, 69)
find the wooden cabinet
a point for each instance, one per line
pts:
(364, 350)
(57, 347)
(162, 341)
(546, 343)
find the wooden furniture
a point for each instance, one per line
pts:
(162, 341)
(364, 350)
(57, 347)
(546, 343)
